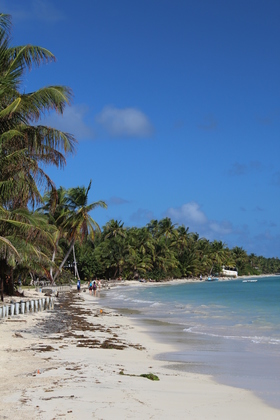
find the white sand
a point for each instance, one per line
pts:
(84, 383)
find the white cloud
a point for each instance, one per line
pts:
(188, 213)
(72, 121)
(191, 215)
(126, 122)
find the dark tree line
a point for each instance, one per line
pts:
(160, 250)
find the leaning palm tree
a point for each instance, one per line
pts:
(77, 222)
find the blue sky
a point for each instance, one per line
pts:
(176, 109)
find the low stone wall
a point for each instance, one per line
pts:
(53, 289)
(25, 307)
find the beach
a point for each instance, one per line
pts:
(82, 360)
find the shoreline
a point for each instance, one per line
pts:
(113, 283)
(67, 362)
(237, 361)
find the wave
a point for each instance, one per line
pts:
(142, 301)
(121, 297)
(253, 339)
(156, 304)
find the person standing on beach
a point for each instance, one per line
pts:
(78, 285)
(94, 286)
(90, 287)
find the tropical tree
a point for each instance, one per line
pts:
(240, 258)
(25, 144)
(30, 240)
(140, 252)
(166, 228)
(77, 222)
(55, 208)
(111, 254)
(113, 228)
(219, 255)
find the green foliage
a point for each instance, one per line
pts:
(150, 376)
(162, 251)
(26, 238)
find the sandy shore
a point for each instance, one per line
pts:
(66, 363)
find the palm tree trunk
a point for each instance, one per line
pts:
(64, 259)
(75, 264)
(51, 269)
(116, 272)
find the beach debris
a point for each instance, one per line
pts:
(16, 334)
(19, 294)
(42, 348)
(90, 343)
(110, 344)
(150, 376)
(137, 346)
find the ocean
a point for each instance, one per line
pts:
(227, 329)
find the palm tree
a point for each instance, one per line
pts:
(77, 223)
(182, 239)
(219, 255)
(166, 228)
(24, 144)
(240, 258)
(140, 251)
(113, 228)
(28, 245)
(55, 207)
(153, 228)
(165, 259)
(111, 254)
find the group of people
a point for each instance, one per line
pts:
(92, 286)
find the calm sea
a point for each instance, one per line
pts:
(228, 329)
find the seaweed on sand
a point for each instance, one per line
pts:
(150, 376)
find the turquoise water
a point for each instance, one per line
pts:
(228, 329)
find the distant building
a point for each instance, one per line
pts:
(229, 271)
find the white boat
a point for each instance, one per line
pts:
(249, 281)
